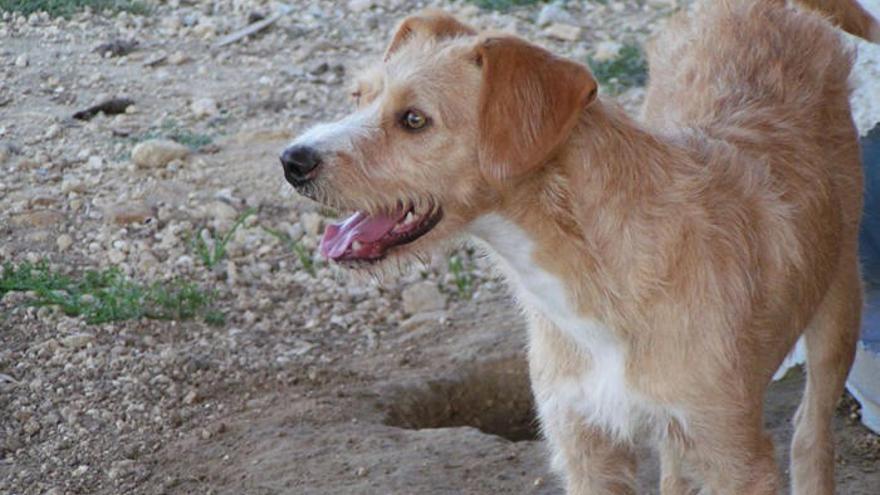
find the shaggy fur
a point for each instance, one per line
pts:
(667, 266)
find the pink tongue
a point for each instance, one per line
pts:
(338, 237)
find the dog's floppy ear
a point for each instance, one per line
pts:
(430, 22)
(529, 102)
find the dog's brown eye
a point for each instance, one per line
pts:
(413, 120)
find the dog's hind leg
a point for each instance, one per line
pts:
(831, 340)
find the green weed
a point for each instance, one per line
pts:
(213, 251)
(170, 129)
(66, 8)
(628, 69)
(464, 281)
(304, 256)
(102, 296)
(503, 5)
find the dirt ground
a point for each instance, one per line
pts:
(315, 383)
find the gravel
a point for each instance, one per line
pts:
(86, 407)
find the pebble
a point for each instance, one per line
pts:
(5, 152)
(606, 50)
(63, 242)
(420, 320)
(204, 107)
(178, 58)
(221, 211)
(95, 163)
(359, 5)
(157, 153)
(77, 340)
(52, 131)
(564, 32)
(130, 213)
(39, 219)
(312, 222)
(554, 12)
(422, 297)
(32, 427)
(22, 61)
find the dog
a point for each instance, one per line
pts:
(667, 265)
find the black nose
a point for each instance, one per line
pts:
(298, 161)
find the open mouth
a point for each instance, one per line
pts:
(363, 237)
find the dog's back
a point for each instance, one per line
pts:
(769, 80)
(747, 64)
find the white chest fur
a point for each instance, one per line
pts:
(601, 394)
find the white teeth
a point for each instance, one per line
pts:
(409, 218)
(356, 245)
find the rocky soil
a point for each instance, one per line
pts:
(314, 383)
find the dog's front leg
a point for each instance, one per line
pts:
(589, 460)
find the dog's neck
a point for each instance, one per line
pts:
(605, 208)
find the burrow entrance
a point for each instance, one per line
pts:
(492, 396)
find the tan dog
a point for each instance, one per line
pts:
(667, 266)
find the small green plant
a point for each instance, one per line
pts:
(170, 129)
(304, 256)
(102, 296)
(66, 8)
(462, 277)
(503, 5)
(212, 251)
(627, 70)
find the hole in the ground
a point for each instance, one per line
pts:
(493, 396)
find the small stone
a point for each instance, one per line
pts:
(205, 29)
(422, 297)
(311, 222)
(32, 427)
(81, 470)
(130, 213)
(63, 242)
(72, 185)
(221, 211)
(95, 163)
(22, 61)
(204, 107)
(191, 397)
(156, 153)
(44, 201)
(421, 320)
(564, 32)
(178, 58)
(39, 219)
(119, 469)
(52, 132)
(606, 50)
(553, 12)
(359, 5)
(77, 340)
(360, 472)
(5, 152)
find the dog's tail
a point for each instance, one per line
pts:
(849, 15)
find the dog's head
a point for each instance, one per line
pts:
(443, 125)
